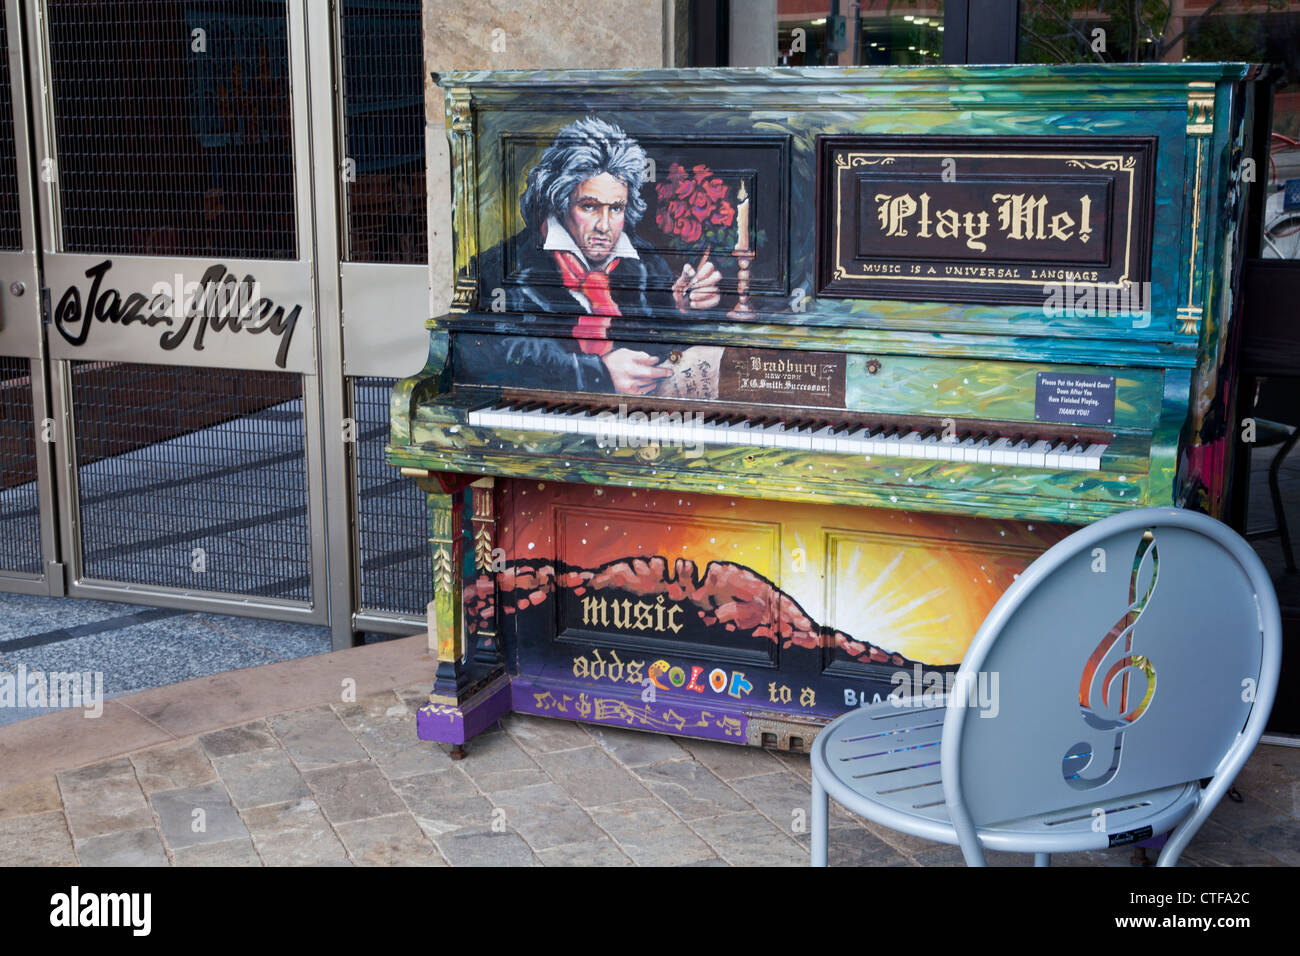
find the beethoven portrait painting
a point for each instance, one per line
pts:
(579, 255)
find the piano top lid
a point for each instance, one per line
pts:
(1071, 74)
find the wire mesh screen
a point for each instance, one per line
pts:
(193, 478)
(11, 234)
(20, 526)
(383, 91)
(172, 126)
(392, 527)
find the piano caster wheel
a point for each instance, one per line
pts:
(458, 752)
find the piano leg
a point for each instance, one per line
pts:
(470, 691)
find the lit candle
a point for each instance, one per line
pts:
(742, 220)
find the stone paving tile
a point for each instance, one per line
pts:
(904, 843)
(104, 798)
(598, 853)
(496, 762)
(782, 797)
(1118, 857)
(731, 761)
(126, 848)
(591, 777)
(480, 846)
(390, 738)
(1251, 814)
(230, 853)
(799, 763)
(173, 766)
(260, 778)
(293, 834)
(316, 738)
(237, 740)
(540, 735)
(353, 791)
(35, 796)
(634, 748)
(38, 839)
(393, 840)
(414, 697)
(1277, 844)
(1270, 779)
(746, 839)
(691, 789)
(218, 822)
(855, 846)
(546, 816)
(941, 854)
(373, 706)
(444, 801)
(651, 834)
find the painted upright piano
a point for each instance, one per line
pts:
(760, 386)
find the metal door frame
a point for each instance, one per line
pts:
(303, 270)
(25, 311)
(363, 289)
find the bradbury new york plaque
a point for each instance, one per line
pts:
(982, 218)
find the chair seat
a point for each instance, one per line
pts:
(882, 761)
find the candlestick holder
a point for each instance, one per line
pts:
(742, 311)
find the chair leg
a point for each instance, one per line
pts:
(820, 808)
(1042, 859)
(1275, 492)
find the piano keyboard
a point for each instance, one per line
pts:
(969, 444)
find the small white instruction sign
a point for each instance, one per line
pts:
(1076, 399)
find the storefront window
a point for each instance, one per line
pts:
(1264, 31)
(872, 32)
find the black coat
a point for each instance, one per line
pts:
(640, 288)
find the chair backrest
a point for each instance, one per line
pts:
(1137, 653)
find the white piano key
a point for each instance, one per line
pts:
(1038, 453)
(822, 440)
(1092, 457)
(999, 454)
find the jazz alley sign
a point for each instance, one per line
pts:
(187, 315)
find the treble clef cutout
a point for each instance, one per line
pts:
(1117, 685)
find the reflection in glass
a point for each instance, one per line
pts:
(873, 32)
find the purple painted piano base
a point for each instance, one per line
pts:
(455, 725)
(666, 714)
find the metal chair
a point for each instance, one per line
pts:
(1111, 695)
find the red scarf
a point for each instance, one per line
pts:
(594, 284)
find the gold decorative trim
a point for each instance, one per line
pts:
(850, 160)
(1200, 108)
(459, 118)
(442, 569)
(464, 178)
(1189, 315)
(462, 296)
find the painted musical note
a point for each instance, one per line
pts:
(1116, 686)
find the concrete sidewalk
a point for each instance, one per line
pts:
(273, 766)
